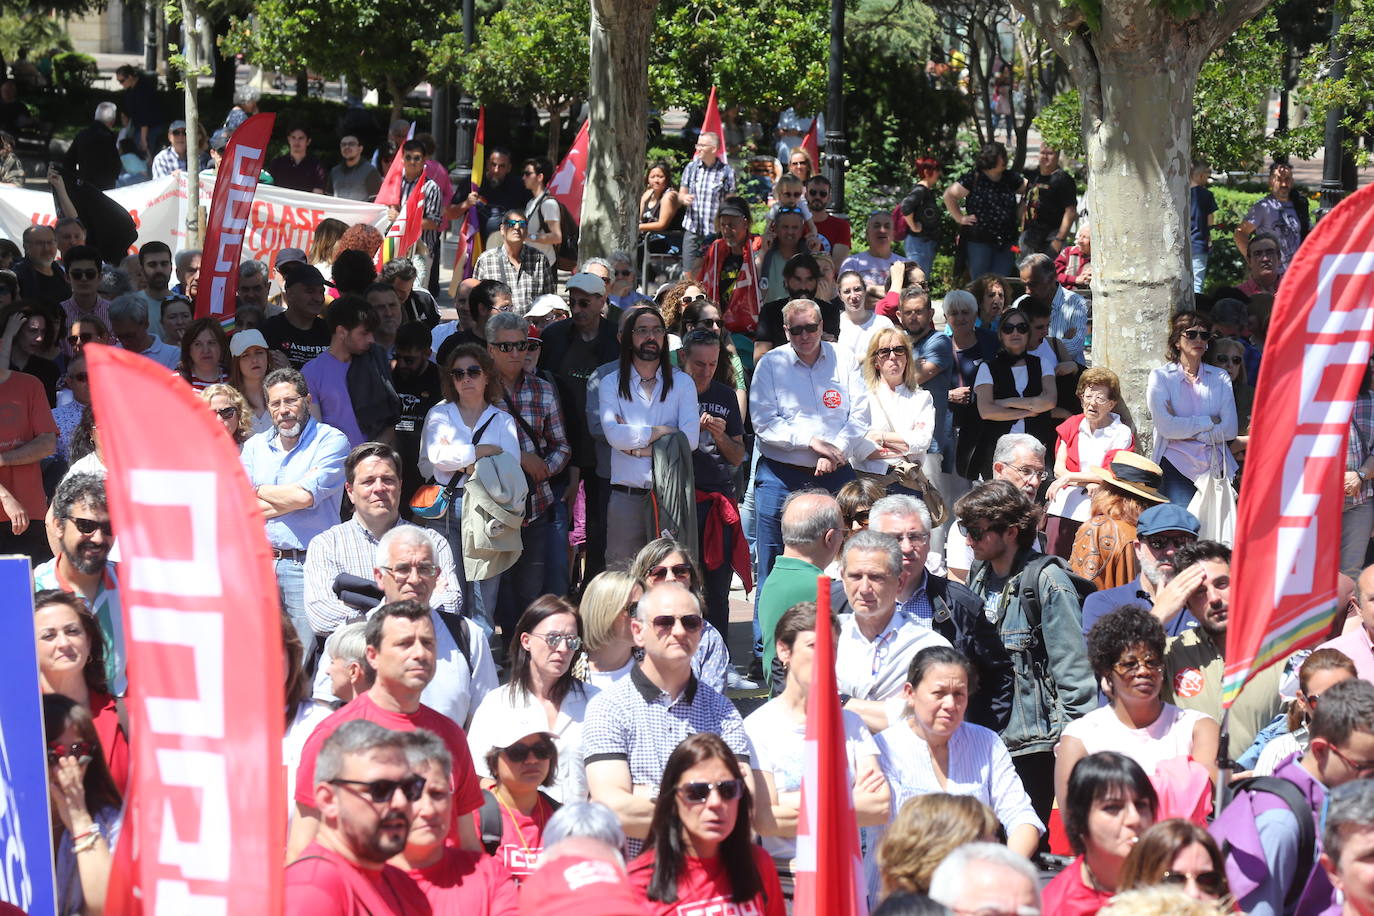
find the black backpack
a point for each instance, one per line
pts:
(1307, 831)
(1030, 581)
(491, 827)
(565, 252)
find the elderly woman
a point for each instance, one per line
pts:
(204, 354)
(1084, 443)
(1126, 649)
(1193, 409)
(1180, 854)
(232, 411)
(1103, 548)
(608, 603)
(176, 316)
(1015, 392)
(901, 412)
(990, 292)
(989, 226)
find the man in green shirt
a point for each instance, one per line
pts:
(811, 538)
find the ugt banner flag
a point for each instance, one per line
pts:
(1288, 536)
(227, 221)
(204, 640)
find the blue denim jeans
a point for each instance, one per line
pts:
(987, 258)
(291, 581)
(556, 543)
(524, 581)
(1199, 270)
(479, 598)
(922, 251)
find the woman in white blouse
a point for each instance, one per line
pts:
(901, 412)
(459, 430)
(934, 750)
(1193, 408)
(547, 639)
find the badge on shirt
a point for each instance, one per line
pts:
(831, 398)
(1189, 682)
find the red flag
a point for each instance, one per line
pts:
(389, 195)
(829, 867)
(1288, 533)
(710, 124)
(235, 183)
(204, 652)
(405, 231)
(570, 181)
(811, 147)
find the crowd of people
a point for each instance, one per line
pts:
(506, 543)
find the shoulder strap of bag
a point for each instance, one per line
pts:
(452, 486)
(490, 825)
(1307, 830)
(524, 424)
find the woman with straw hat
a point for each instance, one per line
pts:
(1102, 549)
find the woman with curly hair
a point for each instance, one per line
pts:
(231, 409)
(926, 830)
(1126, 650)
(362, 237)
(1102, 548)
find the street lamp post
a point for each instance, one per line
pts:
(1332, 187)
(466, 122)
(834, 160)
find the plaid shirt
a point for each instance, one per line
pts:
(537, 403)
(708, 185)
(528, 280)
(431, 207)
(1359, 445)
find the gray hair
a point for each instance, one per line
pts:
(106, 112)
(1006, 447)
(114, 282)
(183, 258)
(1037, 262)
(797, 305)
(900, 505)
(951, 875)
(405, 536)
(78, 488)
(356, 737)
(813, 526)
(960, 299)
(504, 321)
(246, 93)
(129, 307)
(584, 819)
(1352, 806)
(598, 262)
(286, 377)
(870, 541)
(252, 268)
(349, 642)
(423, 746)
(621, 257)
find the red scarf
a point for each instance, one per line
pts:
(742, 311)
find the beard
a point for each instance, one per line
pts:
(649, 352)
(381, 842)
(290, 427)
(88, 559)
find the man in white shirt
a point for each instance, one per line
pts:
(1069, 312)
(878, 640)
(640, 403)
(810, 410)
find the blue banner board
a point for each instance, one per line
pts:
(26, 860)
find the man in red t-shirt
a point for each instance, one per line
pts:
(400, 649)
(836, 229)
(364, 794)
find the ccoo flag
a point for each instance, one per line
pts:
(1288, 535)
(235, 183)
(829, 867)
(205, 832)
(811, 146)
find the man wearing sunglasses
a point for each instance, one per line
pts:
(835, 229)
(517, 264)
(1160, 532)
(401, 649)
(1274, 853)
(83, 271)
(633, 726)
(364, 791)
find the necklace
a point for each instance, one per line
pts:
(534, 816)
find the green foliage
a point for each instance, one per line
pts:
(38, 33)
(1354, 91)
(1225, 266)
(71, 71)
(1232, 93)
(894, 114)
(865, 194)
(1061, 124)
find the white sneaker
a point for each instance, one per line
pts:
(736, 681)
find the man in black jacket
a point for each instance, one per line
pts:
(951, 609)
(93, 156)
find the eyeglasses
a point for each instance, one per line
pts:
(515, 223)
(914, 537)
(83, 337)
(1031, 473)
(976, 534)
(1158, 542)
(1015, 328)
(1128, 665)
(554, 640)
(797, 330)
(383, 790)
(225, 413)
(469, 372)
(511, 346)
(624, 273)
(708, 323)
(83, 274)
(1228, 360)
(1362, 768)
(519, 753)
(91, 526)
(655, 331)
(1211, 883)
(284, 403)
(665, 622)
(81, 377)
(676, 571)
(883, 353)
(402, 571)
(696, 793)
(1094, 398)
(57, 750)
(1198, 334)
(1263, 254)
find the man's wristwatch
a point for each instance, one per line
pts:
(1359, 472)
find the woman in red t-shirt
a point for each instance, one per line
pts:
(698, 851)
(1109, 804)
(523, 759)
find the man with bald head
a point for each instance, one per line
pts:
(706, 182)
(1358, 639)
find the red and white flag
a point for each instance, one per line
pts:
(236, 181)
(811, 146)
(829, 866)
(570, 180)
(389, 194)
(207, 828)
(711, 124)
(1288, 534)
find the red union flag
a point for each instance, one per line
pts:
(811, 146)
(570, 180)
(235, 183)
(1288, 536)
(710, 124)
(205, 698)
(829, 868)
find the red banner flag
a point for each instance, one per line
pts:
(235, 183)
(829, 867)
(1288, 534)
(710, 124)
(811, 146)
(389, 194)
(204, 652)
(570, 181)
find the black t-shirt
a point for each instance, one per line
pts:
(924, 206)
(418, 394)
(51, 290)
(772, 330)
(577, 364)
(1047, 197)
(299, 346)
(454, 341)
(46, 371)
(713, 472)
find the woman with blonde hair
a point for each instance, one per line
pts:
(232, 410)
(608, 603)
(926, 830)
(327, 234)
(1085, 440)
(902, 414)
(1102, 549)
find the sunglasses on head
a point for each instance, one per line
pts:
(91, 526)
(511, 346)
(697, 793)
(519, 753)
(57, 750)
(1017, 327)
(469, 372)
(1198, 334)
(383, 790)
(89, 274)
(688, 300)
(798, 330)
(665, 622)
(1209, 882)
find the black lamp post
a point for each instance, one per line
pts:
(1332, 187)
(466, 122)
(834, 161)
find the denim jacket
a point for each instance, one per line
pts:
(1054, 681)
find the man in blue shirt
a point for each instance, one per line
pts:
(297, 472)
(1159, 589)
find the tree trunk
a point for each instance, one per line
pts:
(226, 68)
(555, 142)
(393, 89)
(191, 48)
(619, 98)
(302, 84)
(1135, 75)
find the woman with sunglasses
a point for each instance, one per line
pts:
(1177, 853)
(1014, 391)
(84, 330)
(1228, 354)
(522, 759)
(1193, 409)
(85, 805)
(231, 410)
(204, 354)
(777, 730)
(1320, 671)
(902, 414)
(1126, 650)
(462, 428)
(665, 560)
(542, 686)
(176, 316)
(608, 603)
(699, 848)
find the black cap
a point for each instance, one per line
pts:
(303, 273)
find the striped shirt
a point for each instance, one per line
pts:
(431, 207)
(1360, 444)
